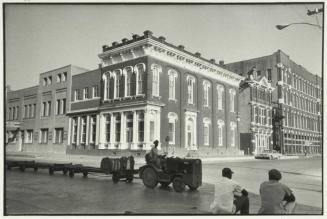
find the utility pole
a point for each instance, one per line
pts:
(316, 11)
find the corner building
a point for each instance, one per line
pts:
(150, 89)
(297, 113)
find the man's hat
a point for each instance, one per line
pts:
(227, 171)
(274, 174)
(156, 142)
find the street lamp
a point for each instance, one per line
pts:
(280, 27)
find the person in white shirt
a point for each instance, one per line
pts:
(230, 197)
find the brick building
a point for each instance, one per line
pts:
(36, 117)
(255, 113)
(297, 96)
(150, 89)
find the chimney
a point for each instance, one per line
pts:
(213, 61)
(162, 39)
(104, 48)
(124, 40)
(181, 47)
(197, 54)
(221, 62)
(114, 44)
(147, 33)
(135, 36)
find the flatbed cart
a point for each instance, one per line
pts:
(22, 165)
(78, 168)
(54, 167)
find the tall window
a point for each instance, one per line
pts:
(83, 130)
(58, 107)
(64, 76)
(220, 132)
(220, 94)
(118, 117)
(33, 111)
(93, 124)
(129, 128)
(95, 91)
(85, 93)
(118, 81)
(75, 95)
(141, 127)
(269, 74)
(233, 133)
(49, 108)
(45, 81)
(49, 80)
(63, 106)
(17, 112)
(108, 122)
(140, 69)
(156, 70)
(206, 131)
(29, 136)
(232, 93)
(25, 111)
(172, 118)
(58, 78)
(44, 136)
(206, 86)
(59, 132)
(172, 75)
(129, 75)
(190, 88)
(74, 140)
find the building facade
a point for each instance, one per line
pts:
(36, 117)
(150, 89)
(255, 113)
(297, 96)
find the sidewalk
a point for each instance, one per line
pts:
(95, 161)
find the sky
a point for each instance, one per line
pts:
(39, 38)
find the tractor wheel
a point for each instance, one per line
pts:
(51, 171)
(22, 168)
(71, 173)
(115, 177)
(178, 184)
(85, 173)
(193, 188)
(164, 184)
(149, 177)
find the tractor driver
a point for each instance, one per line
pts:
(154, 154)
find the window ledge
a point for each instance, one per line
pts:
(172, 100)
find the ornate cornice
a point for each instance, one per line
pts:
(155, 49)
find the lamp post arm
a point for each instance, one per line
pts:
(279, 27)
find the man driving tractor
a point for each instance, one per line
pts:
(154, 154)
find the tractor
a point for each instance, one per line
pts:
(180, 172)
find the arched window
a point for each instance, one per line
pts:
(130, 83)
(190, 88)
(172, 75)
(220, 91)
(206, 86)
(232, 93)
(220, 124)
(140, 72)
(172, 118)
(206, 131)
(156, 70)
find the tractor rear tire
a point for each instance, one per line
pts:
(178, 184)
(149, 177)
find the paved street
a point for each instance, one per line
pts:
(38, 193)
